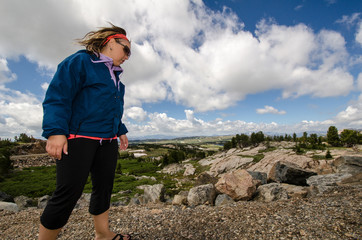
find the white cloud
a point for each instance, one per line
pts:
(352, 115)
(359, 33)
(162, 125)
(349, 20)
(44, 86)
(270, 109)
(228, 64)
(181, 52)
(136, 113)
(5, 73)
(20, 113)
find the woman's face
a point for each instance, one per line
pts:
(121, 51)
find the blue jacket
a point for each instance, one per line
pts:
(82, 99)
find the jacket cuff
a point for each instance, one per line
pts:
(122, 130)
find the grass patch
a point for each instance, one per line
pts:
(269, 149)
(32, 182)
(256, 158)
(319, 157)
(138, 167)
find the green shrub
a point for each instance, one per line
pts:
(328, 155)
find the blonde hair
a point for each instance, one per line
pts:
(94, 40)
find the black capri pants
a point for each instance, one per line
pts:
(84, 156)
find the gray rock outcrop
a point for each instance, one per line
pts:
(180, 198)
(348, 164)
(172, 169)
(271, 192)
(189, 169)
(286, 172)
(9, 206)
(203, 194)
(153, 193)
(223, 199)
(24, 202)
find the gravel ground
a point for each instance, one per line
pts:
(335, 215)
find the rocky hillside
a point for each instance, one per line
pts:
(254, 193)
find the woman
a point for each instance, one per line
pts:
(83, 109)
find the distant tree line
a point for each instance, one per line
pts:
(184, 152)
(347, 138)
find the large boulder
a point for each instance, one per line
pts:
(296, 191)
(189, 169)
(203, 194)
(238, 184)
(9, 206)
(355, 179)
(321, 183)
(286, 172)
(180, 198)
(328, 179)
(153, 193)
(24, 202)
(263, 177)
(172, 168)
(223, 199)
(348, 164)
(271, 192)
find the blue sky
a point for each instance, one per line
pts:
(197, 67)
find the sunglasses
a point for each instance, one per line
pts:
(126, 49)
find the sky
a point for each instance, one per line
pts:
(198, 67)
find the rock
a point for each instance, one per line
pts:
(33, 160)
(201, 195)
(24, 202)
(43, 201)
(172, 169)
(355, 179)
(189, 170)
(327, 180)
(286, 172)
(271, 192)
(263, 177)
(180, 198)
(239, 185)
(205, 178)
(145, 177)
(122, 202)
(8, 206)
(281, 155)
(348, 164)
(322, 183)
(229, 163)
(134, 201)
(223, 199)
(36, 147)
(294, 191)
(153, 193)
(5, 197)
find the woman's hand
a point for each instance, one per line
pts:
(123, 142)
(57, 144)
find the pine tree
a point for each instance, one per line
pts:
(332, 136)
